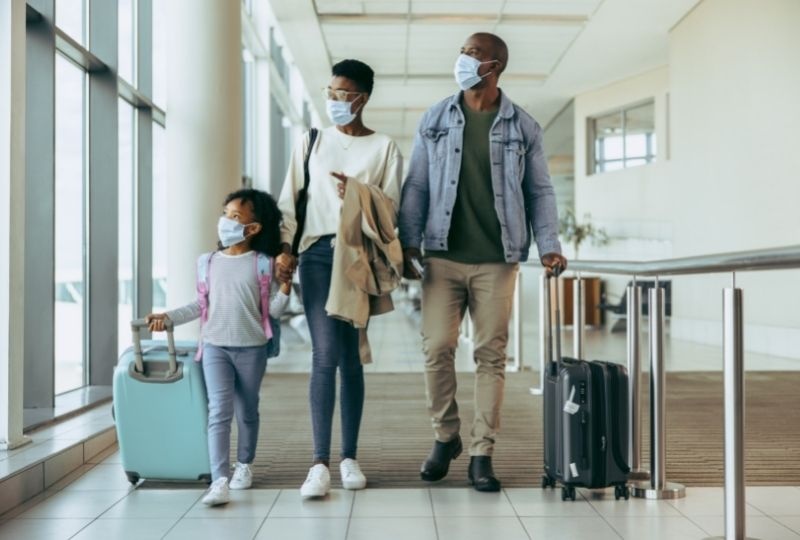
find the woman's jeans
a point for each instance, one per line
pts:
(233, 380)
(334, 345)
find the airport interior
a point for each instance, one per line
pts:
(657, 143)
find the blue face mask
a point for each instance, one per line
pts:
(340, 112)
(466, 71)
(230, 231)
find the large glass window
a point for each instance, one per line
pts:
(160, 53)
(125, 40)
(159, 219)
(71, 18)
(624, 138)
(70, 278)
(125, 247)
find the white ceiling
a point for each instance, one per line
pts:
(558, 48)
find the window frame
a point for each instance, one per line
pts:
(592, 161)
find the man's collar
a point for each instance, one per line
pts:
(506, 109)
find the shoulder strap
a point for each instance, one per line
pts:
(302, 195)
(203, 274)
(264, 275)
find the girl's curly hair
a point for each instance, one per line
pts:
(266, 212)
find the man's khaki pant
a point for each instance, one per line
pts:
(448, 290)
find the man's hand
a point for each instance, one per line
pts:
(555, 263)
(285, 264)
(409, 272)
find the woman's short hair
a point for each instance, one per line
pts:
(358, 72)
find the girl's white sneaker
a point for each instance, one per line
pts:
(242, 476)
(218, 493)
(352, 477)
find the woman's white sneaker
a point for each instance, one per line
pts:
(352, 477)
(318, 482)
(218, 493)
(242, 476)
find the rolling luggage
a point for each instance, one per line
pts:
(161, 411)
(585, 423)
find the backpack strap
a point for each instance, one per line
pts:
(264, 275)
(203, 281)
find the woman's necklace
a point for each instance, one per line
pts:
(346, 146)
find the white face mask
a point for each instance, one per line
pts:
(340, 112)
(466, 71)
(230, 231)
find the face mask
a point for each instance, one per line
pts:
(466, 71)
(339, 112)
(230, 231)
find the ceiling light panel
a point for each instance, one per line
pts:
(339, 7)
(383, 47)
(553, 7)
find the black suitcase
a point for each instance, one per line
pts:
(585, 423)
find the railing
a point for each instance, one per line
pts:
(733, 354)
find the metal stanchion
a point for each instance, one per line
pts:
(657, 487)
(733, 354)
(578, 291)
(545, 347)
(634, 295)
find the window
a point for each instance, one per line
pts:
(125, 40)
(623, 139)
(70, 17)
(160, 52)
(125, 275)
(70, 236)
(159, 219)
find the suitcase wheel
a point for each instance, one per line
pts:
(621, 492)
(133, 477)
(567, 492)
(547, 482)
(205, 478)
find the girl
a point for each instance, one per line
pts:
(234, 338)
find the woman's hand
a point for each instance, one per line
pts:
(342, 185)
(285, 264)
(156, 321)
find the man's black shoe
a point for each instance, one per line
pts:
(481, 475)
(438, 462)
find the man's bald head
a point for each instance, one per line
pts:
(495, 46)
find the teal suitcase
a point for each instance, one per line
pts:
(161, 410)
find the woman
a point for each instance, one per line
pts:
(348, 151)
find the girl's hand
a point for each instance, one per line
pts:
(285, 264)
(156, 321)
(342, 183)
(286, 287)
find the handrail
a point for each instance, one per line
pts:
(777, 258)
(760, 259)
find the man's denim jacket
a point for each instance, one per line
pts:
(523, 195)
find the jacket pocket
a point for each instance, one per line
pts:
(436, 139)
(514, 151)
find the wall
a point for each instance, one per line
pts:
(728, 103)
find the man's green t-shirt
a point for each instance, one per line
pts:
(474, 235)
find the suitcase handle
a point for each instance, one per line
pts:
(138, 358)
(557, 270)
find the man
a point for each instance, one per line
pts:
(477, 187)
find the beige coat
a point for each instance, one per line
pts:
(367, 259)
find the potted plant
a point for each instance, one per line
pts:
(575, 233)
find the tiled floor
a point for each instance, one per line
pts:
(100, 505)
(97, 502)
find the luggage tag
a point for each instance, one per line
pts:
(570, 407)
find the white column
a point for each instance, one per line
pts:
(261, 105)
(204, 133)
(12, 214)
